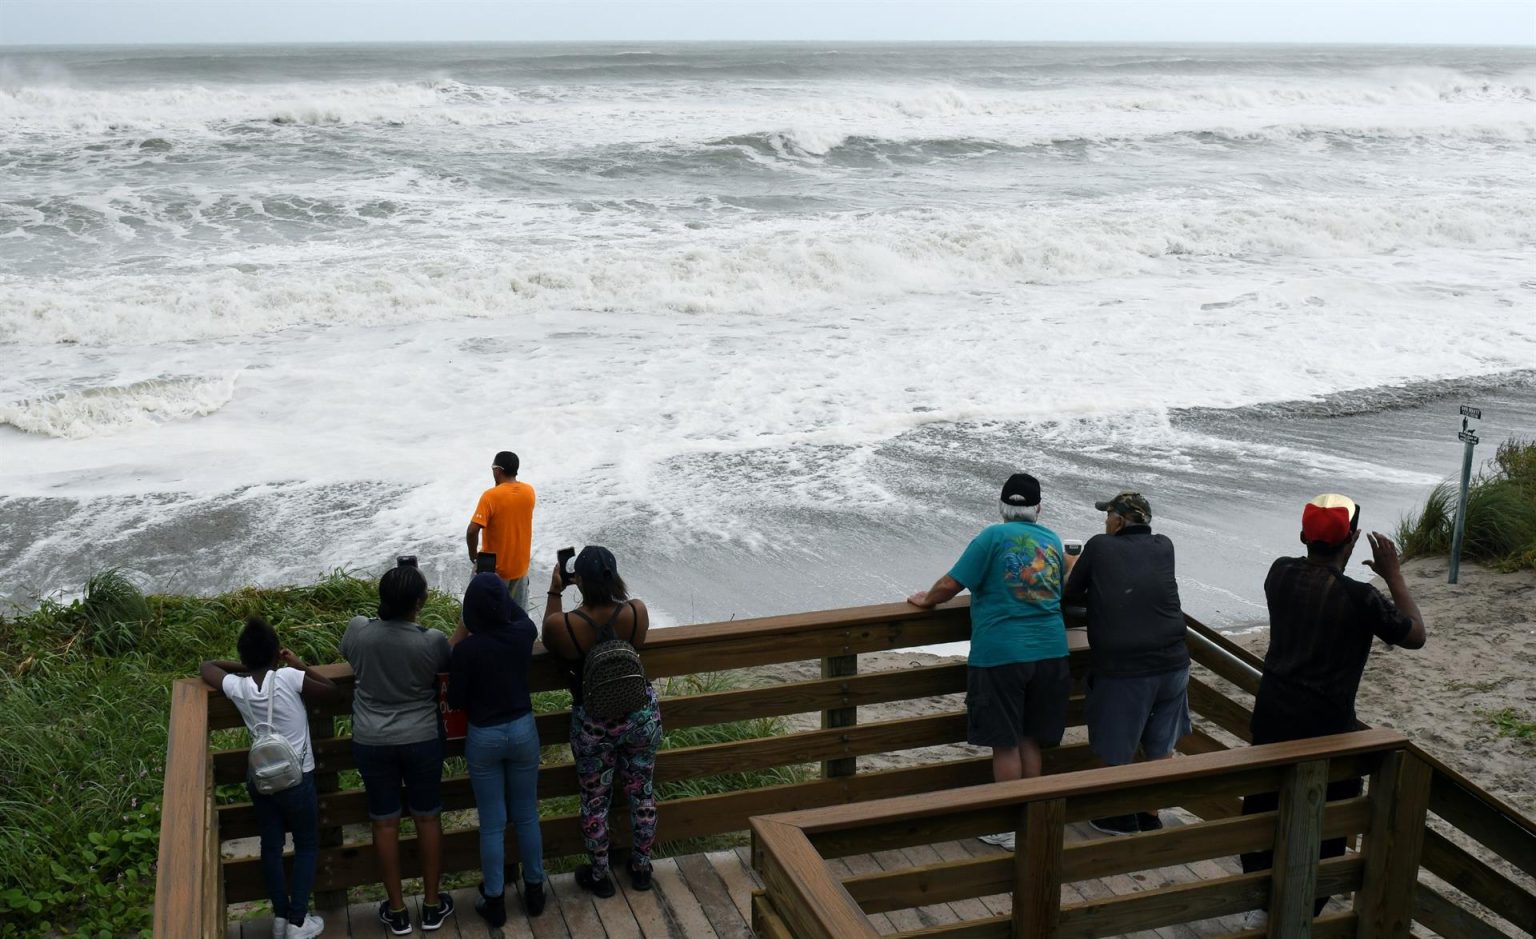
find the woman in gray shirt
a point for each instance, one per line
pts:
(397, 737)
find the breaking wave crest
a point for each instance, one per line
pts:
(92, 412)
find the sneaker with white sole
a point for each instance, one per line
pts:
(396, 921)
(433, 915)
(1003, 839)
(1256, 919)
(309, 929)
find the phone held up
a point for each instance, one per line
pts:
(406, 560)
(485, 562)
(563, 559)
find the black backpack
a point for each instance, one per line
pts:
(613, 682)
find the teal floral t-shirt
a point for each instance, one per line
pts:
(1014, 573)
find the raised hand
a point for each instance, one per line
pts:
(1384, 560)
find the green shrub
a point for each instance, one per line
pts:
(1501, 513)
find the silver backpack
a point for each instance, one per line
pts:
(272, 765)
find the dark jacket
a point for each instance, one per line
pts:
(1135, 625)
(488, 674)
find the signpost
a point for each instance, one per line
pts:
(1468, 438)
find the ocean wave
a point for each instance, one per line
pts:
(747, 267)
(46, 108)
(93, 412)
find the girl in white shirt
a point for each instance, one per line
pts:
(254, 683)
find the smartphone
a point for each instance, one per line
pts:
(485, 562)
(1072, 546)
(406, 560)
(563, 559)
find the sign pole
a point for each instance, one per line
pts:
(1469, 440)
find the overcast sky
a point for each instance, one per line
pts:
(25, 22)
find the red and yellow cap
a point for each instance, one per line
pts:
(1329, 519)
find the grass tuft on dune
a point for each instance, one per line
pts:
(1501, 513)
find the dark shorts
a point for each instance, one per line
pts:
(1148, 711)
(1006, 704)
(416, 766)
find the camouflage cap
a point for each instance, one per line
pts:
(1130, 506)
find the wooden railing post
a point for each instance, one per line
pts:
(1298, 833)
(839, 666)
(1037, 869)
(324, 728)
(1399, 800)
(187, 889)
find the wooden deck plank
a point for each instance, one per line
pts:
(617, 918)
(863, 864)
(336, 922)
(362, 920)
(924, 917)
(683, 906)
(578, 908)
(552, 924)
(710, 890)
(652, 914)
(739, 880)
(990, 906)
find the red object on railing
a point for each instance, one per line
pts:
(455, 721)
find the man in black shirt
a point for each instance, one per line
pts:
(1138, 678)
(1321, 624)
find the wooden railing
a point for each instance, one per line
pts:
(194, 884)
(805, 898)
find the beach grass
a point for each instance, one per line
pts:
(1501, 513)
(84, 704)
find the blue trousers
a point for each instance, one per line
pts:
(298, 811)
(504, 772)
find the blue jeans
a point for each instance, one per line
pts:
(504, 772)
(294, 810)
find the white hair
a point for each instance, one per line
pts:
(1019, 513)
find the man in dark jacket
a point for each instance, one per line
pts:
(1138, 676)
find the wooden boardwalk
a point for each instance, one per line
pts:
(708, 896)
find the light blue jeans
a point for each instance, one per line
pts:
(504, 771)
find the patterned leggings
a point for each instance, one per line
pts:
(626, 747)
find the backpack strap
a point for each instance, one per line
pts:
(604, 632)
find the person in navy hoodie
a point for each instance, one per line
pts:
(488, 677)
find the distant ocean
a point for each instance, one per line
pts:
(773, 321)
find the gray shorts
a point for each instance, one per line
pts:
(1149, 711)
(1006, 704)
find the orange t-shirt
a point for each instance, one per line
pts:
(505, 517)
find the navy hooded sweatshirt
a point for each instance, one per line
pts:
(488, 673)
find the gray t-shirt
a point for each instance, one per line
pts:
(396, 664)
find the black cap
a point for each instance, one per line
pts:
(1021, 489)
(507, 460)
(595, 563)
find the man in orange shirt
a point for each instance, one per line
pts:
(503, 525)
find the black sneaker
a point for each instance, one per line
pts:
(396, 921)
(492, 909)
(640, 879)
(533, 898)
(597, 886)
(1116, 825)
(432, 915)
(1149, 821)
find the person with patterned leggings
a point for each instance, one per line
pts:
(619, 750)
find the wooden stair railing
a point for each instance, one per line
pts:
(194, 883)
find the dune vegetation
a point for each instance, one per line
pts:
(84, 702)
(1501, 513)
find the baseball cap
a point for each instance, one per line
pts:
(595, 563)
(1021, 489)
(507, 460)
(1329, 519)
(1131, 506)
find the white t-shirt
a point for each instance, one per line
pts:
(288, 715)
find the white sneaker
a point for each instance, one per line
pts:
(1256, 919)
(1003, 839)
(313, 926)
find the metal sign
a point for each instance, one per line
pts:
(1475, 413)
(1468, 436)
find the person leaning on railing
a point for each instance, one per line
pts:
(488, 678)
(397, 738)
(1017, 682)
(254, 685)
(622, 749)
(1321, 624)
(1138, 659)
